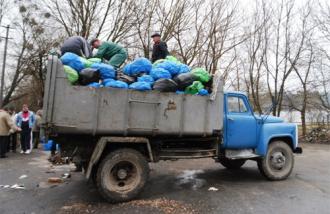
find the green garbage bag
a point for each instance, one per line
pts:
(201, 74)
(71, 74)
(158, 61)
(172, 59)
(168, 58)
(194, 88)
(95, 60)
(87, 63)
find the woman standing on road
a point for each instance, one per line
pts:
(25, 120)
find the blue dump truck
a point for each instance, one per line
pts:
(114, 133)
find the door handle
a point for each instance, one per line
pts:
(231, 119)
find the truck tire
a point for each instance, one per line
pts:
(121, 175)
(278, 162)
(232, 164)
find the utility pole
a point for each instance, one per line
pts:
(4, 66)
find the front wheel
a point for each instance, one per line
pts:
(121, 175)
(278, 162)
(232, 164)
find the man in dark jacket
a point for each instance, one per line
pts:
(77, 45)
(159, 50)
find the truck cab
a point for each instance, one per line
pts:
(264, 138)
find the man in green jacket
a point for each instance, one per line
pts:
(114, 53)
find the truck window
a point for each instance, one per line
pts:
(236, 105)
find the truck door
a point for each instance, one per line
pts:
(241, 125)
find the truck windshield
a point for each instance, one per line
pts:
(236, 105)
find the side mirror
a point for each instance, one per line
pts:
(274, 103)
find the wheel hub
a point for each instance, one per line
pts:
(278, 160)
(122, 174)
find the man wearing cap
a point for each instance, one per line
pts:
(159, 50)
(77, 45)
(113, 52)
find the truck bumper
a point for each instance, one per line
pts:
(298, 150)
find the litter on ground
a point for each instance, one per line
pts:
(213, 189)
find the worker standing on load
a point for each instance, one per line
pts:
(114, 53)
(77, 45)
(159, 50)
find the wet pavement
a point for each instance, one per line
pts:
(185, 186)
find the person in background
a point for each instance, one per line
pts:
(25, 120)
(159, 50)
(114, 53)
(36, 129)
(6, 123)
(12, 143)
(77, 45)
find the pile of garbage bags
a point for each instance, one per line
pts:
(165, 75)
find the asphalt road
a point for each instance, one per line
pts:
(174, 187)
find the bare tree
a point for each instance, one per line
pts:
(189, 34)
(287, 49)
(144, 20)
(108, 18)
(322, 19)
(255, 47)
(18, 73)
(4, 4)
(31, 52)
(303, 71)
(223, 33)
(75, 16)
(323, 81)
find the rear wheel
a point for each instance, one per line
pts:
(232, 164)
(121, 175)
(278, 162)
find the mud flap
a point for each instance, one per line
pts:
(95, 156)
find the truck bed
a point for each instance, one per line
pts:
(109, 111)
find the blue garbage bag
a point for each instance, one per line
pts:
(138, 66)
(116, 84)
(73, 60)
(203, 92)
(106, 81)
(106, 71)
(158, 73)
(48, 146)
(170, 66)
(94, 85)
(146, 78)
(140, 86)
(184, 68)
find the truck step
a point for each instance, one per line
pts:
(240, 154)
(166, 154)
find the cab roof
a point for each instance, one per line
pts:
(236, 92)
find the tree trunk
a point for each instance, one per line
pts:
(303, 122)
